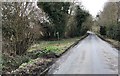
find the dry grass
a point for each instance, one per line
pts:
(115, 43)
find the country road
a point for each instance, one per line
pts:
(90, 56)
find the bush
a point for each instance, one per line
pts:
(103, 30)
(12, 63)
(114, 31)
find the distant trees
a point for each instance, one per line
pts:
(76, 19)
(109, 18)
(87, 24)
(64, 21)
(80, 16)
(109, 14)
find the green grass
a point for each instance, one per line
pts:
(53, 46)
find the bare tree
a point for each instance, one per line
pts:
(18, 32)
(109, 14)
(109, 18)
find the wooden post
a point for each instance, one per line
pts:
(58, 35)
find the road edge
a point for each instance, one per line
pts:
(105, 39)
(74, 44)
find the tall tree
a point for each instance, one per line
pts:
(57, 15)
(76, 19)
(81, 16)
(109, 18)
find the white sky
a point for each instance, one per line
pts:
(93, 6)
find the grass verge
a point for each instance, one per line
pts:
(57, 47)
(39, 56)
(116, 44)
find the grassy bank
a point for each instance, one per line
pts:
(38, 57)
(54, 46)
(115, 43)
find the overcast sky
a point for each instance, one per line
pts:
(93, 6)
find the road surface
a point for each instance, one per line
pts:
(90, 56)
